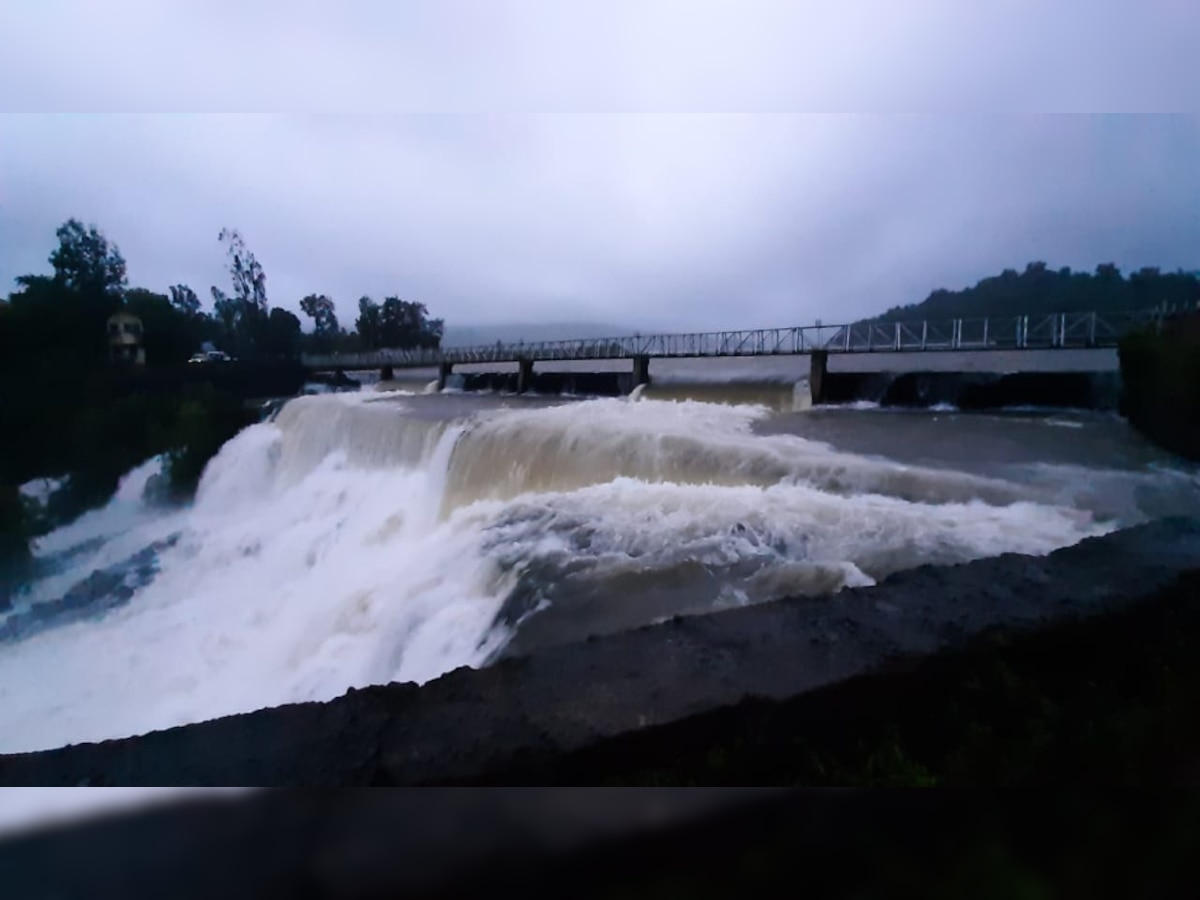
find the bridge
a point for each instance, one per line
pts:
(1024, 332)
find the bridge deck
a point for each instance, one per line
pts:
(1029, 332)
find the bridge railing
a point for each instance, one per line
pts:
(1042, 331)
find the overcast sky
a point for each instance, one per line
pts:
(522, 161)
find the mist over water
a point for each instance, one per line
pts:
(366, 538)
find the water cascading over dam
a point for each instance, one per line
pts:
(369, 538)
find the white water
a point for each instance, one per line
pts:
(352, 542)
(102, 537)
(41, 489)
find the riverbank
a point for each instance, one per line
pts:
(1161, 385)
(83, 445)
(554, 714)
(1052, 708)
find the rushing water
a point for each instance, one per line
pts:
(367, 538)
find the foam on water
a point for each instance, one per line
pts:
(1125, 496)
(126, 510)
(40, 490)
(629, 522)
(101, 537)
(279, 589)
(779, 395)
(575, 445)
(353, 540)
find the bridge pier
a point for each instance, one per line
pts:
(444, 371)
(524, 375)
(641, 371)
(386, 373)
(817, 363)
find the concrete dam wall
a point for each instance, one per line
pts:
(976, 390)
(964, 390)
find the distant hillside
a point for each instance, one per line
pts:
(1040, 289)
(475, 335)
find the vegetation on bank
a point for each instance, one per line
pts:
(1039, 287)
(1160, 373)
(1160, 376)
(70, 410)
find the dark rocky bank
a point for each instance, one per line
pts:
(557, 714)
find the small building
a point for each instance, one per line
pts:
(125, 339)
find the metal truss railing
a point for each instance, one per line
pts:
(1027, 332)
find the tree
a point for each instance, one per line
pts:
(228, 311)
(170, 336)
(368, 323)
(1040, 289)
(391, 323)
(61, 318)
(433, 332)
(321, 310)
(244, 314)
(184, 299)
(86, 263)
(404, 324)
(282, 339)
(249, 280)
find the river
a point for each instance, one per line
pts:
(381, 536)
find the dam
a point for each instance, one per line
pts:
(395, 534)
(818, 355)
(379, 536)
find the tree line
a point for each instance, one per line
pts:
(64, 313)
(1042, 289)
(69, 411)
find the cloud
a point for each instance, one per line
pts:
(511, 161)
(521, 56)
(672, 221)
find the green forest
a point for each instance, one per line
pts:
(1042, 289)
(71, 410)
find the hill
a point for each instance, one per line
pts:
(1041, 289)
